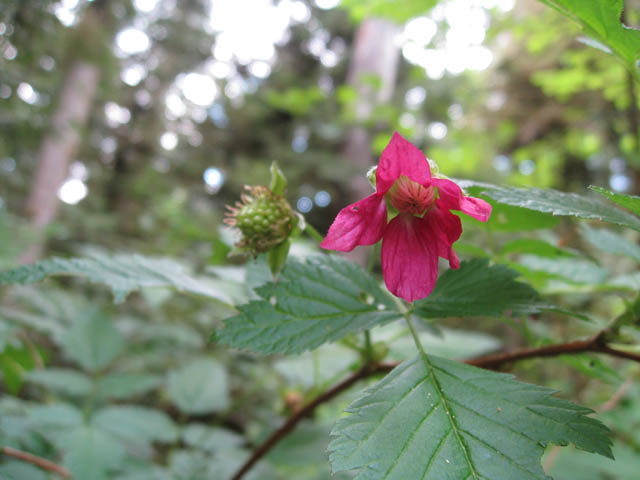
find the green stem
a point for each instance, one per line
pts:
(313, 233)
(414, 334)
(368, 348)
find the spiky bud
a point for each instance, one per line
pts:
(264, 219)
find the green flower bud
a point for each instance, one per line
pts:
(264, 219)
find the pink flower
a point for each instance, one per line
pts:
(422, 229)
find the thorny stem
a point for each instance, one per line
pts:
(37, 461)
(597, 344)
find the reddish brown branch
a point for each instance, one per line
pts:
(596, 344)
(37, 461)
(305, 411)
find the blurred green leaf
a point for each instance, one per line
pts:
(278, 180)
(577, 271)
(610, 242)
(199, 387)
(55, 417)
(361, 9)
(435, 418)
(135, 424)
(122, 273)
(66, 381)
(93, 341)
(298, 101)
(16, 470)
(14, 363)
(449, 343)
(316, 301)
(210, 439)
(120, 386)
(535, 246)
(479, 289)
(90, 454)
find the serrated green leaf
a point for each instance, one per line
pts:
(135, 424)
(630, 202)
(479, 289)
(93, 341)
(69, 382)
(199, 387)
(122, 273)
(121, 386)
(563, 204)
(319, 300)
(435, 418)
(508, 218)
(601, 20)
(610, 242)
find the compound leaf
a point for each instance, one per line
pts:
(315, 301)
(479, 289)
(436, 418)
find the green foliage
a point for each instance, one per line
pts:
(577, 271)
(278, 180)
(136, 425)
(434, 418)
(199, 387)
(319, 300)
(93, 341)
(610, 242)
(479, 289)
(564, 204)
(134, 391)
(65, 381)
(122, 273)
(298, 101)
(361, 9)
(601, 20)
(631, 202)
(535, 246)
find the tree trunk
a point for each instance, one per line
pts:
(58, 148)
(375, 53)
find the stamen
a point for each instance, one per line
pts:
(407, 196)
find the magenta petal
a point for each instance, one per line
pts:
(445, 228)
(452, 198)
(409, 258)
(400, 157)
(361, 223)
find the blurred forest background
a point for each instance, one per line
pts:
(127, 125)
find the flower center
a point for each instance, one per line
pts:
(407, 196)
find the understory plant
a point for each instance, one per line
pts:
(436, 409)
